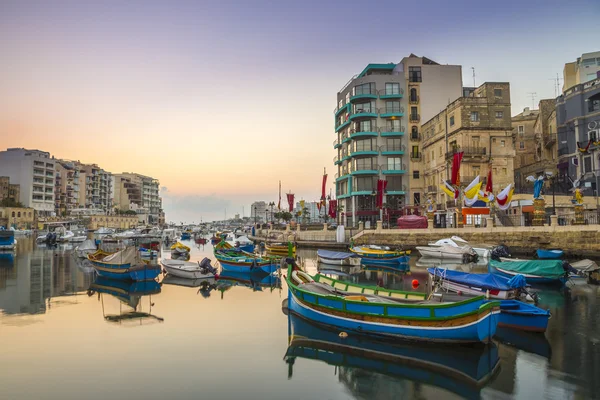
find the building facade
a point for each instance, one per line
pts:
(96, 188)
(66, 191)
(480, 127)
(8, 190)
(585, 69)
(33, 171)
(524, 138)
(373, 112)
(113, 221)
(578, 126)
(18, 217)
(133, 191)
(258, 211)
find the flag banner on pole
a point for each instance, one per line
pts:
(456, 160)
(381, 185)
(290, 199)
(503, 198)
(449, 190)
(324, 184)
(279, 203)
(488, 185)
(319, 205)
(332, 208)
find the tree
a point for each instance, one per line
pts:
(286, 216)
(305, 214)
(11, 203)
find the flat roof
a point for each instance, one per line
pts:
(383, 67)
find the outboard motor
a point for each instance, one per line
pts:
(500, 251)
(206, 266)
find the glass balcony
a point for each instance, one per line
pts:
(392, 131)
(391, 112)
(391, 93)
(393, 149)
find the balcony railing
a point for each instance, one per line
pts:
(391, 129)
(359, 149)
(549, 140)
(399, 147)
(392, 167)
(415, 156)
(336, 159)
(415, 136)
(432, 189)
(413, 100)
(414, 118)
(468, 151)
(391, 110)
(362, 91)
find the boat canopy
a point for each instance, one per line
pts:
(126, 256)
(585, 265)
(543, 268)
(334, 255)
(484, 281)
(87, 245)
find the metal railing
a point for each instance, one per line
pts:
(413, 100)
(415, 156)
(415, 136)
(386, 92)
(355, 130)
(365, 90)
(335, 159)
(432, 189)
(356, 149)
(414, 117)
(468, 151)
(368, 110)
(549, 140)
(391, 129)
(400, 147)
(390, 110)
(386, 167)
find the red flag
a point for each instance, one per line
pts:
(332, 208)
(456, 160)
(488, 185)
(323, 185)
(381, 185)
(279, 203)
(290, 199)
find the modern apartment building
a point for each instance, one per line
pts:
(535, 144)
(33, 171)
(95, 187)
(480, 127)
(66, 191)
(134, 191)
(578, 126)
(373, 112)
(585, 69)
(8, 190)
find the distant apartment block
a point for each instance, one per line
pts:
(134, 191)
(34, 172)
(8, 190)
(585, 69)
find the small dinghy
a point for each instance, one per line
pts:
(337, 258)
(188, 269)
(549, 254)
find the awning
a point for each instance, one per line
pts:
(528, 209)
(476, 211)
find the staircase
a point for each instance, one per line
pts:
(503, 219)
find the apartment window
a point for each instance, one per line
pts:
(417, 199)
(414, 74)
(502, 143)
(364, 126)
(362, 164)
(392, 106)
(415, 151)
(476, 171)
(415, 174)
(393, 125)
(414, 132)
(413, 113)
(394, 163)
(364, 145)
(593, 105)
(452, 120)
(365, 107)
(504, 171)
(365, 183)
(497, 92)
(499, 114)
(587, 164)
(521, 145)
(441, 154)
(394, 144)
(365, 88)
(521, 130)
(474, 116)
(413, 94)
(392, 88)
(475, 140)
(19, 214)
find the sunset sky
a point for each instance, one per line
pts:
(220, 100)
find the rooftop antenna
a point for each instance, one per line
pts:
(473, 68)
(533, 96)
(556, 82)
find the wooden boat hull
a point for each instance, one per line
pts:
(373, 254)
(549, 254)
(140, 272)
(245, 267)
(457, 287)
(350, 261)
(438, 253)
(279, 250)
(396, 262)
(476, 327)
(526, 317)
(187, 274)
(186, 236)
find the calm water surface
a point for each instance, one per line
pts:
(63, 336)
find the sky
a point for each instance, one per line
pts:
(220, 100)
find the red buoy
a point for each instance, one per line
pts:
(415, 283)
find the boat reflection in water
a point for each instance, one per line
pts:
(363, 363)
(7, 259)
(255, 280)
(531, 342)
(130, 294)
(205, 285)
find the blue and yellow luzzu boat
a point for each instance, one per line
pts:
(239, 261)
(390, 313)
(123, 265)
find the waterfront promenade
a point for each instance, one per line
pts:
(579, 240)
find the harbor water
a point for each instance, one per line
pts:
(66, 335)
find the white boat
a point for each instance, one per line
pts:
(186, 269)
(77, 239)
(105, 231)
(124, 234)
(20, 232)
(337, 258)
(446, 252)
(85, 248)
(455, 241)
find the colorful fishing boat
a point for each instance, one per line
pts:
(492, 285)
(123, 265)
(179, 249)
(248, 247)
(189, 270)
(337, 258)
(255, 281)
(522, 316)
(281, 249)
(378, 252)
(549, 254)
(463, 370)
(239, 261)
(186, 235)
(534, 271)
(7, 239)
(389, 313)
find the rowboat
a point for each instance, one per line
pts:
(494, 286)
(463, 370)
(378, 252)
(534, 271)
(447, 252)
(531, 342)
(123, 265)
(389, 313)
(455, 241)
(522, 316)
(281, 249)
(240, 261)
(189, 270)
(549, 254)
(179, 249)
(337, 258)
(85, 248)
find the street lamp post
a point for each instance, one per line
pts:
(255, 214)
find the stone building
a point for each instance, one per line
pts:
(540, 153)
(479, 126)
(113, 221)
(18, 217)
(9, 190)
